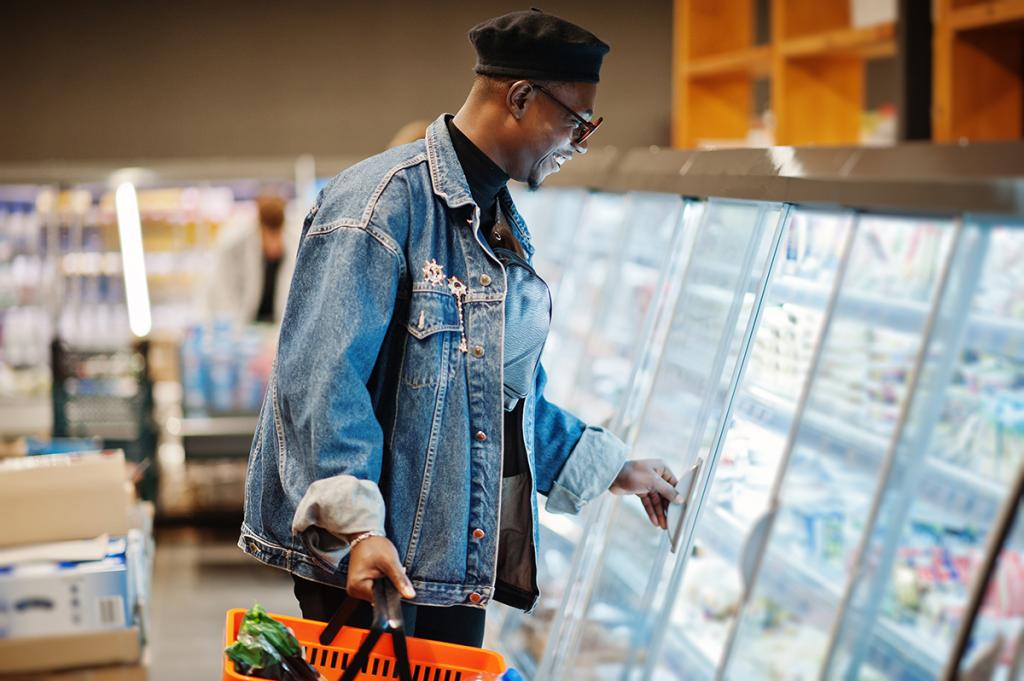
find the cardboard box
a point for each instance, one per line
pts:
(63, 496)
(51, 653)
(135, 672)
(50, 598)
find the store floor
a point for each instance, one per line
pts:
(198, 576)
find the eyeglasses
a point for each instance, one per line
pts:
(584, 128)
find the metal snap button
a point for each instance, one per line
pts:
(478, 351)
(481, 436)
(479, 534)
(475, 597)
(485, 280)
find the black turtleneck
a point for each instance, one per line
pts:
(484, 176)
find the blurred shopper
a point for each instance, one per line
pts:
(405, 432)
(253, 265)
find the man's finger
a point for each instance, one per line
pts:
(659, 510)
(668, 491)
(649, 508)
(361, 589)
(669, 477)
(398, 577)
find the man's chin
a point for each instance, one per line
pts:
(536, 179)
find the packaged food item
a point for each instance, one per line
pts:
(267, 649)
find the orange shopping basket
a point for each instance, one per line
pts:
(342, 653)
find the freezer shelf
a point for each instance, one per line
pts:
(984, 332)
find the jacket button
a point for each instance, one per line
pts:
(481, 436)
(485, 280)
(479, 534)
(475, 597)
(478, 351)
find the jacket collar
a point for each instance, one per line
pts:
(446, 174)
(450, 184)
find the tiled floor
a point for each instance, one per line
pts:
(198, 576)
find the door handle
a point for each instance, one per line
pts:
(753, 548)
(677, 512)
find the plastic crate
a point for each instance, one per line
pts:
(429, 660)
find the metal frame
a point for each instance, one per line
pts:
(911, 177)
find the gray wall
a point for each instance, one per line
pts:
(155, 79)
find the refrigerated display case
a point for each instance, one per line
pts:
(842, 375)
(614, 283)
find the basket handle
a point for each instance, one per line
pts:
(387, 617)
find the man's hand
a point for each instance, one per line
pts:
(653, 482)
(371, 559)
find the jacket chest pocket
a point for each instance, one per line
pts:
(434, 331)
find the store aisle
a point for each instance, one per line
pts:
(198, 576)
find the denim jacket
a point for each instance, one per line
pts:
(384, 411)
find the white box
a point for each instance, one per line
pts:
(57, 598)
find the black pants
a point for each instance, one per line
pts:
(460, 624)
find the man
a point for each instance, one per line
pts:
(249, 279)
(405, 433)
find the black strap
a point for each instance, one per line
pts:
(343, 615)
(387, 618)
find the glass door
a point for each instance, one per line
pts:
(709, 330)
(553, 217)
(599, 242)
(611, 348)
(696, 624)
(838, 442)
(954, 467)
(630, 291)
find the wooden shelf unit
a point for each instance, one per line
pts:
(756, 61)
(869, 41)
(978, 70)
(818, 77)
(714, 65)
(815, 63)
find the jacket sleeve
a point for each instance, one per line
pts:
(574, 462)
(339, 309)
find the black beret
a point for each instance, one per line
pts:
(532, 44)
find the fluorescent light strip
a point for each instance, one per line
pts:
(136, 290)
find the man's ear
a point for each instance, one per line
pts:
(520, 95)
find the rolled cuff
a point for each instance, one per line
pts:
(334, 509)
(591, 469)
